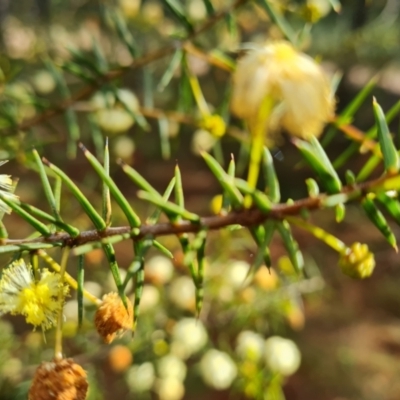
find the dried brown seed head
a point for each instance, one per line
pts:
(60, 379)
(112, 318)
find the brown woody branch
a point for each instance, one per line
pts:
(244, 217)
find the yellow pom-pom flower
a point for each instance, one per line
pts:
(37, 300)
(357, 261)
(293, 81)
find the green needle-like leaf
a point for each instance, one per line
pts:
(263, 254)
(347, 114)
(3, 231)
(179, 12)
(377, 218)
(139, 285)
(391, 204)
(316, 157)
(80, 278)
(57, 192)
(312, 187)
(156, 214)
(106, 199)
(101, 60)
(169, 72)
(261, 200)
(124, 34)
(179, 196)
(209, 7)
(389, 152)
(171, 209)
(272, 185)
(291, 246)
(157, 245)
(83, 201)
(133, 219)
(43, 215)
(370, 134)
(368, 168)
(137, 178)
(141, 121)
(279, 20)
(259, 235)
(46, 185)
(226, 202)
(110, 255)
(225, 181)
(79, 72)
(340, 212)
(165, 144)
(14, 248)
(39, 226)
(201, 259)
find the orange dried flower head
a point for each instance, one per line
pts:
(112, 318)
(60, 379)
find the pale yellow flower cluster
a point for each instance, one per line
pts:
(37, 300)
(292, 81)
(357, 261)
(6, 186)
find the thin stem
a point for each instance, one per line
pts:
(244, 217)
(319, 233)
(58, 338)
(258, 131)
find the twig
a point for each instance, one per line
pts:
(244, 217)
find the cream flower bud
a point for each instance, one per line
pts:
(150, 298)
(236, 273)
(189, 336)
(159, 270)
(217, 369)
(112, 115)
(140, 378)
(170, 366)
(249, 345)
(292, 80)
(170, 389)
(182, 293)
(282, 355)
(202, 140)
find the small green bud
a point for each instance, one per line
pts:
(357, 261)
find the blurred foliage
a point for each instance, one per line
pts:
(147, 80)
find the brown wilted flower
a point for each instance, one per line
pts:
(60, 379)
(112, 318)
